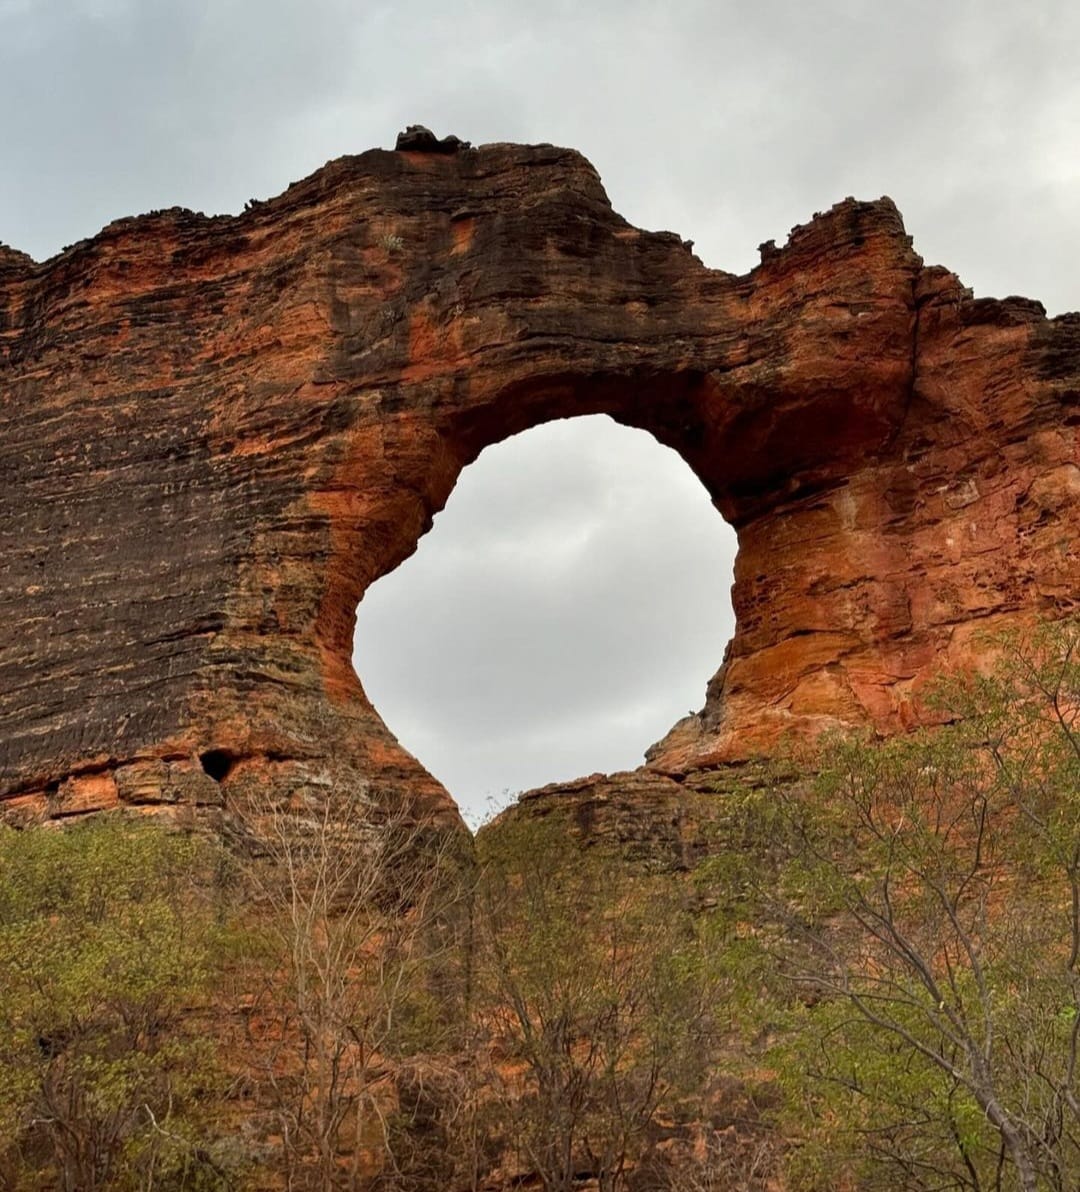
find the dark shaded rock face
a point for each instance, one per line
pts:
(418, 139)
(218, 431)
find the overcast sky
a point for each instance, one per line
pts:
(571, 601)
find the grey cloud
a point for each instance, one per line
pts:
(728, 121)
(540, 638)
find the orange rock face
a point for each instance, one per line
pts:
(218, 431)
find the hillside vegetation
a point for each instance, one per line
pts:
(871, 981)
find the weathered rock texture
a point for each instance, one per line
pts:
(218, 431)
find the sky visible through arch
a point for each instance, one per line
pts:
(567, 607)
(725, 120)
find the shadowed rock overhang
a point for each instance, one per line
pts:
(217, 432)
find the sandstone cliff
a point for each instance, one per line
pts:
(218, 431)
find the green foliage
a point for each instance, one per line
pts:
(104, 953)
(926, 913)
(600, 991)
(899, 937)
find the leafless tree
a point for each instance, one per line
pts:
(347, 902)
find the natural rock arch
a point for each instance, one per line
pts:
(560, 615)
(219, 431)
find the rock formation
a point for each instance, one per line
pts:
(218, 431)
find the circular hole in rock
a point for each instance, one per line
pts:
(567, 608)
(217, 763)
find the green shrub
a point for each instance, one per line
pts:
(108, 946)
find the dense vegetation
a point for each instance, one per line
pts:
(927, 903)
(109, 950)
(872, 981)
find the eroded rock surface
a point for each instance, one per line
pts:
(218, 431)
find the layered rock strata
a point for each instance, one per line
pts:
(217, 432)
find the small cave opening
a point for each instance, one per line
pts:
(217, 763)
(568, 607)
